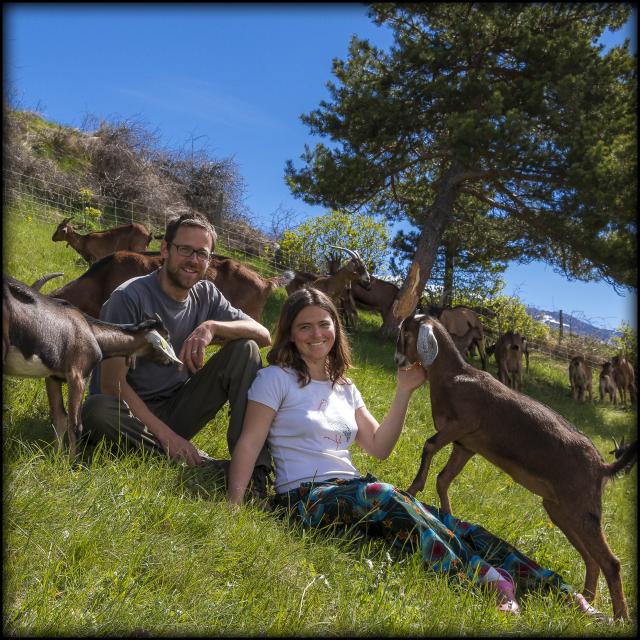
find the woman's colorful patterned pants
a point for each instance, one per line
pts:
(447, 544)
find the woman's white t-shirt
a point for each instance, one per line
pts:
(313, 427)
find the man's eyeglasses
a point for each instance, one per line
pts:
(186, 251)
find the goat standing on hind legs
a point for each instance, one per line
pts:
(47, 338)
(529, 441)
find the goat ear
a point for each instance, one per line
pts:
(160, 344)
(427, 345)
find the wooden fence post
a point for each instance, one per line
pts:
(561, 325)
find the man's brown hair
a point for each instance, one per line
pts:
(191, 219)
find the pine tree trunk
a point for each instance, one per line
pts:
(449, 263)
(437, 219)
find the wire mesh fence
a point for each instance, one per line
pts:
(49, 202)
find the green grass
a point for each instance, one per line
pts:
(128, 543)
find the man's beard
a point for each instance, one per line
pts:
(175, 276)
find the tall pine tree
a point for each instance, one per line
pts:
(513, 105)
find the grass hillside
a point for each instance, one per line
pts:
(136, 545)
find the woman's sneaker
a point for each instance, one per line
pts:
(506, 592)
(589, 610)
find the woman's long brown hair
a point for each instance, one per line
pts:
(285, 353)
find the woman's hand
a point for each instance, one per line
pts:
(410, 378)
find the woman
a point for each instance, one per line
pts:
(310, 414)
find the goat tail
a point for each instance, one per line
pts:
(625, 462)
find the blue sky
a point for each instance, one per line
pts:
(235, 77)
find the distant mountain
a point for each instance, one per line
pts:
(578, 327)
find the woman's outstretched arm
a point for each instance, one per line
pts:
(376, 439)
(255, 429)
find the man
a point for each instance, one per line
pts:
(162, 408)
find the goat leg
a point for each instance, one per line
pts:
(56, 406)
(482, 350)
(559, 518)
(458, 458)
(75, 383)
(431, 447)
(596, 545)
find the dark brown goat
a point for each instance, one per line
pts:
(298, 279)
(580, 378)
(529, 441)
(50, 338)
(607, 384)
(510, 348)
(379, 298)
(624, 378)
(244, 288)
(96, 245)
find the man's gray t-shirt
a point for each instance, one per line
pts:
(140, 298)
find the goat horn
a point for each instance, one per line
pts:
(37, 285)
(427, 345)
(615, 444)
(352, 253)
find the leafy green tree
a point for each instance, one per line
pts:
(309, 242)
(512, 105)
(627, 343)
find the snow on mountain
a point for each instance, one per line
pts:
(571, 323)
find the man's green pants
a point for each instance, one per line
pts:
(226, 376)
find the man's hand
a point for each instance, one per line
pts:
(181, 450)
(192, 352)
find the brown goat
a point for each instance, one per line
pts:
(580, 378)
(244, 288)
(607, 384)
(529, 441)
(624, 378)
(464, 326)
(337, 284)
(52, 339)
(96, 245)
(510, 348)
(353, 270)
